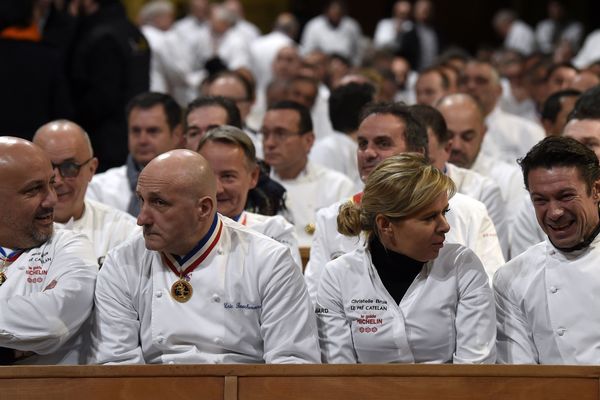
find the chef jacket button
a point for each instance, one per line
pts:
(552, 252)
(561, 331)
(216, 298)
(171, 362)
(218, 341)
(553, 289)
(159, 294)
(161, 340)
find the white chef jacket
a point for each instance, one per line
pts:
(262, 53)
(316, 187)
(547, 306)
(249, 305)
(525, 108)
(525, 231)
(338, 152)
(545, 32)
(470, 226)
(507, 176)
(509, 137)
(320, 114)
(446, 316)
(520, 37)
(246, 29)
(344, 39)
(156, 40)
(590, 51)
(487, 191)
(104, 226)
(181, 59)
(47, 297)
(233, 49)
(386, 32)
(275, 227)
(111, 188)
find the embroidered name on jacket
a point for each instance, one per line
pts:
(242, 306)
(368, 304)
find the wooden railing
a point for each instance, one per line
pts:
(291, 382)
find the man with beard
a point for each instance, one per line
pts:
(46, 278)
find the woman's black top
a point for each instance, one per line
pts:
(397, 271)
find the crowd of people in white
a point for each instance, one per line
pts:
(450, 203)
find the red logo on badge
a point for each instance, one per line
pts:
(369, 320)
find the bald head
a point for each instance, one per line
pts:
(68, 147)
(466, 127)
(28, 197)
(17, 154)
(178, 194)
(461, 101)
(186, 170)
(63, 128)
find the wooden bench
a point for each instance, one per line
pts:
(294, 382)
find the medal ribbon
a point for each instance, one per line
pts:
(198, 254)
(10, 258)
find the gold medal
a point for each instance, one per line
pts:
(310, 228)
(182, 290)
(2, 278)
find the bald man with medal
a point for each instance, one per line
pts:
(198, 287)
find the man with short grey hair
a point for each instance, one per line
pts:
(232, 157)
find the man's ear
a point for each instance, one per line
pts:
(254, 174)
(206, 206)
(93, 166)
(596, 191)
(178, 137)
(309, 139)
(448, 147)
(548, 125)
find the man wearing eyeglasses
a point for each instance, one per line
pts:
(287, 139)
(68, 147)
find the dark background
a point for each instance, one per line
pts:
(464, 22)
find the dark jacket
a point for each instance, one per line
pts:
(33, 89)
(110, 64)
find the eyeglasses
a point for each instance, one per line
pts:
(70, 169)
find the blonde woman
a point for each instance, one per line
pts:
(405, 296)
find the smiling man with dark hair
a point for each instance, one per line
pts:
(546, 298)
